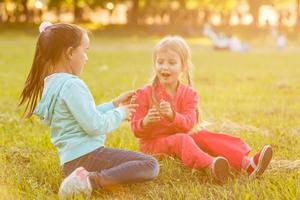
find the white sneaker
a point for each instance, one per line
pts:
(76, 183)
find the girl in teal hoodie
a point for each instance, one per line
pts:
(78, 126)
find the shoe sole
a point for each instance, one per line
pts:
(221, 169)
(263, 162)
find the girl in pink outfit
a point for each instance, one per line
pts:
(167, 113)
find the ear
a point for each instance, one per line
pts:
(69, 52)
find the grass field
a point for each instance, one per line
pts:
(255, 96)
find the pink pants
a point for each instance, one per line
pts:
(198, 150)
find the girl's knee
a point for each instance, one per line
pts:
(153, 167)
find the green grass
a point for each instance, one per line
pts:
(255, 96)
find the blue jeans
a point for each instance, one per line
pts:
(109, 166)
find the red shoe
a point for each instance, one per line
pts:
(259, 162)
(220, 169)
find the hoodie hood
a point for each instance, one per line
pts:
(53, 84)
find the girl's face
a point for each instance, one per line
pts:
(79, 55)
(168, 67)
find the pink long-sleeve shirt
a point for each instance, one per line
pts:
(184, 105)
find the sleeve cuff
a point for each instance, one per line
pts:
(177, 119)
(121, 111)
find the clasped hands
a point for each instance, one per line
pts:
(156, 113)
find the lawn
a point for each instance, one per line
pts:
(255, 96)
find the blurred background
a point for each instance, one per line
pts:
(247, 73)
(245, 18)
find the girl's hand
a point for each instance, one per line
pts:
(166, 111)
(151, 117)
(133, 99)
(123, 99)
(129, 110)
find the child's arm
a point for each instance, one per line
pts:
(142, 99)
(186, 119)
(102, 108)
(122, 99)
(81, 104)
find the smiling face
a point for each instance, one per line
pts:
(168, 67)
(79, 56)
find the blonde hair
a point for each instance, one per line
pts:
(178, 45)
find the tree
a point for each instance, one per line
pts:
(77, 11)
(133, 15)
(24, 9)
(103, 3)
(298, 15)
(56, 4)
(224, 8)
(282, 7)
(254, 9)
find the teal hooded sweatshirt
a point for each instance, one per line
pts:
(77, 125)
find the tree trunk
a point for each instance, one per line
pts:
(77, 11)
(207, 15)
(57, 12)
(182, 4)
(254, 10)
(298, 16)
(25, 10)
(134, 13)
(225, 19)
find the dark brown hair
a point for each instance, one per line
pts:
(51, 44)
